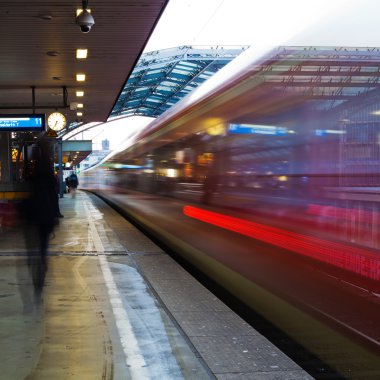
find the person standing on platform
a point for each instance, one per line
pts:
(40, 212)
(72, 183)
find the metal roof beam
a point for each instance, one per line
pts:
(311, 83)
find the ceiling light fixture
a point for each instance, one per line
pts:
(80, 93)
(81, 77)
(82, 53)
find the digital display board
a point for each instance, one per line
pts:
(22, 122)
(256, 129)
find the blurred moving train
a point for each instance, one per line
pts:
(267, 179)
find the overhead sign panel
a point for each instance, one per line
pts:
(256, 129)
(22, 122)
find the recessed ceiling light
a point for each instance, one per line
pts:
(80, 10)
(79, 105)
(81, 53)
(80, 93)
(79, 113)
(81, 77)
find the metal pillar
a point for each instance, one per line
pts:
(60, 170)
(5, 157)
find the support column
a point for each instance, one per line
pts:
(60, 170)
(5, 157)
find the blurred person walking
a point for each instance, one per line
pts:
(40, 212)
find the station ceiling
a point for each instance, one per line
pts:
(38, 43)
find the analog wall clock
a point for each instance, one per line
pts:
(56, 121)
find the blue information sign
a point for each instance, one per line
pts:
(34, 122)
(256, 129)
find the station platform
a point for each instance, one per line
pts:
(116, 306)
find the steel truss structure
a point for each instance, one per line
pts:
(161, 78)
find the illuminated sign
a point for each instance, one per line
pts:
(256, 129)
(35, 122)
(323, 132)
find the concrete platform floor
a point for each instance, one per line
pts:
(115, 306)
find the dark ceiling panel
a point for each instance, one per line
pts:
(115, 42)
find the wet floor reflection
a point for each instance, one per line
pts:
(21, 318)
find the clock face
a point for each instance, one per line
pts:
(56, 121)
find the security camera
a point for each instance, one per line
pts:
(85, 21)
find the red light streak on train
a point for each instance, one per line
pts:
(354, 259)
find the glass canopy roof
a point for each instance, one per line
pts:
(328, 76)
(161, 78)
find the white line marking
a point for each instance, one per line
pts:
(134, 359)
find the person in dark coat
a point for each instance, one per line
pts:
(72, 183)
(40, 212)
